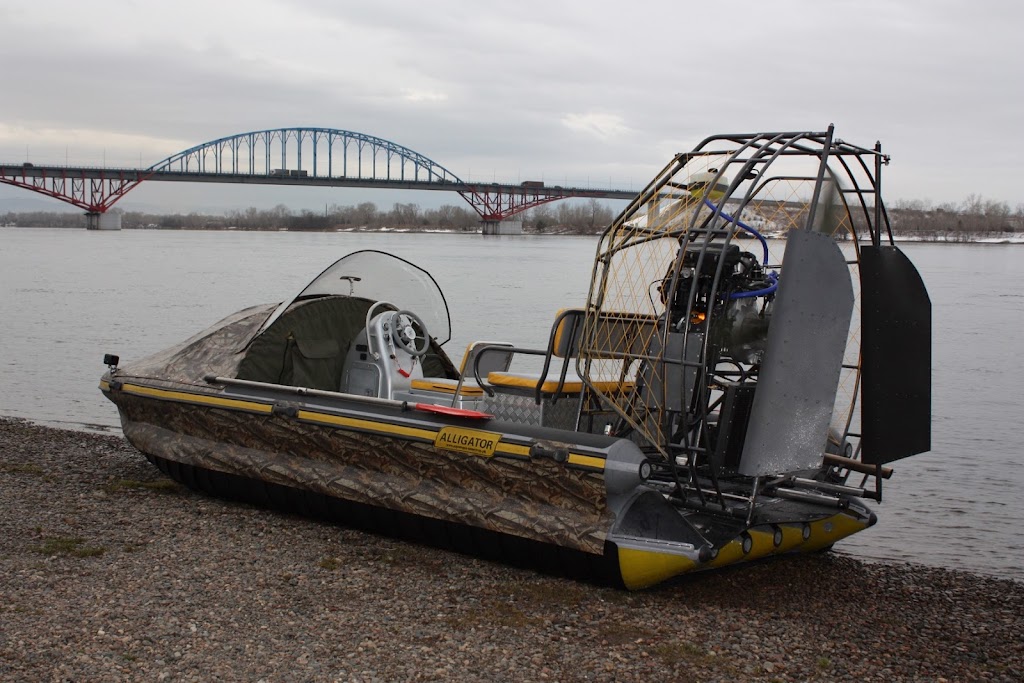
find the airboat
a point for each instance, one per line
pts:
(714, 400)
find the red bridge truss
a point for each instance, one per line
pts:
(94, 190)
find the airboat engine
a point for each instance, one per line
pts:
(739, 307)
(386, 355)
(739, 315)
(719, 302)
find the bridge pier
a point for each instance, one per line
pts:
(102, 221)
(506, 227)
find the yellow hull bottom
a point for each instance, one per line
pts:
(642, 568)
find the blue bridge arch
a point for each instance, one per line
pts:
(308, 152)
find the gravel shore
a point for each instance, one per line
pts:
(110, 572)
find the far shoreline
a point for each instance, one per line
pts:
(988, 239)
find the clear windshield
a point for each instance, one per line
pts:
(378, 276)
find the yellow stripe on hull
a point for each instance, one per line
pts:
(375, 426)
(367, 425)
(200, 399)
(586, 461)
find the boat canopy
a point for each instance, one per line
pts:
(377, 276)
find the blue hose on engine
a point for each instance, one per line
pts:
(772, 277)
(744, 226)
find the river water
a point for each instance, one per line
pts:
(69, 296)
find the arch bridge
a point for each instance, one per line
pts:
(291, 156)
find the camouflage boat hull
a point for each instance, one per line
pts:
(557, 500)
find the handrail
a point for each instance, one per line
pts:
(572, 346)
(494, 347)
(473, 351)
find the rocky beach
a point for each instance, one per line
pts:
(111, 572)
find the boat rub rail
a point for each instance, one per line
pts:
(443, 437)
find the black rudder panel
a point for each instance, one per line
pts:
(896, 402)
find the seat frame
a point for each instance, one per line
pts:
(563, 342)
(621, 340)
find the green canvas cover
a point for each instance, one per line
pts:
(307, 345)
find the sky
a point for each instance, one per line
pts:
(592, 93)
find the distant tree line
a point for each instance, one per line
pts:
(974, 217)
(971, 218)
(588, 217)
(584, 218)
(49, 219)
(362, 216)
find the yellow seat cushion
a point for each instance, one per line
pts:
(446, 386)
(572, 385)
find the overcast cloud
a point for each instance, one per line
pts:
(597, 91)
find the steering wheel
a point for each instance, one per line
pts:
(404, 334)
